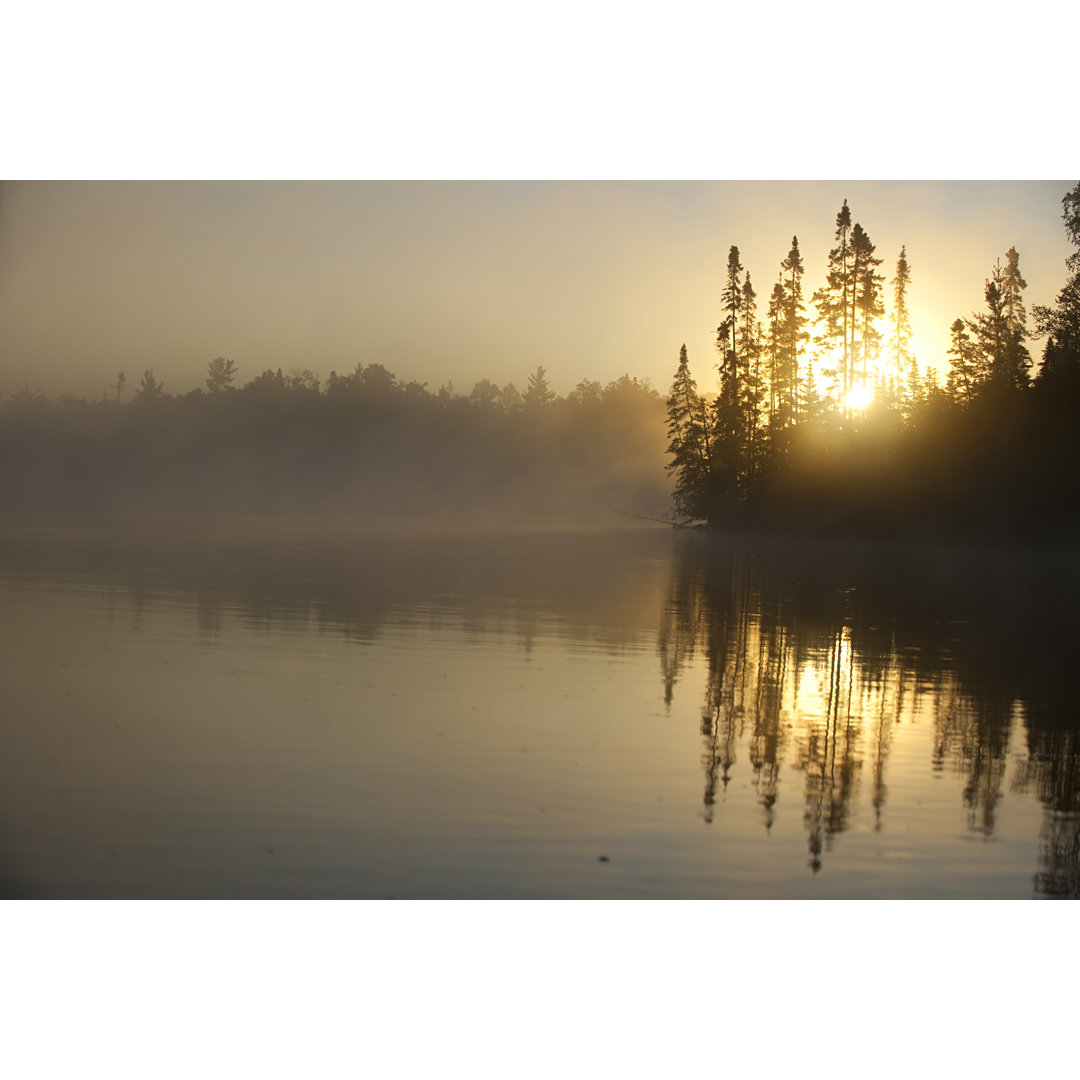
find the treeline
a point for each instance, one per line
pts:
(822, 417)
(365, 444)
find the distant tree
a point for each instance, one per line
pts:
(538, 393)
(220, 374)
(510, 398)
(149, 387)
(376, 380)
(302, 379)
(485, 393)
(587, 392)
(120, 385)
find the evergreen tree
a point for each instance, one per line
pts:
(538, 393)
(903, 361)
(1017, 356)
(867, 305)
(689, 444)
(220, 374)
(999, 332)
(149, 387)
(1062, 322)
(773, 346)
(793, 335)
(965, 372)
(731, 300)
(833, 300)
(752, 393)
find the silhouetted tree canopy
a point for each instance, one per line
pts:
(881, 447)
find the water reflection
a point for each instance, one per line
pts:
(817, 655)
(822, 709)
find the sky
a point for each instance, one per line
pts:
(457, 281)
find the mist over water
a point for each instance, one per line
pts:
(299, 712)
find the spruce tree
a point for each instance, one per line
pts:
(149, 387)
(726, 431)
(774, 346)
(866, 303)
(538, 393)
(903, 361)
(999, 332)
(688, 446)
(1017, 357)
(752, 393)
(833, 300)
(793, 332)
(1062, 322)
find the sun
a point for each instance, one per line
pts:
(858, 398)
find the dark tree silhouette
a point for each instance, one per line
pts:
(220, 374)
(538, 393)
(149, 387)
(688, 424)
(833, 300)
(901, 337)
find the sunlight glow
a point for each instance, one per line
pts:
(858, 398)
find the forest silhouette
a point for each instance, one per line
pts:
(822, 419)
(366, 446)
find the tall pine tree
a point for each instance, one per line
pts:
(833, 301)
(689, 443)
(903, 361)
(866, 303)
(793, 336)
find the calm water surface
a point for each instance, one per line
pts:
(611, 714)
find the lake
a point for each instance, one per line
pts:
(639, 713)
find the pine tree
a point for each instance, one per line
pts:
(833, 300)
(538, 393)
(793, 335)
(149, 387)
(866, 305)
(219, 374)
(688, 446)
(1062, 322)
(752, 393)
(1000, 331)
(904, 362)
(1017, 357)
(774, 346)
(731, 299)
(965, 371)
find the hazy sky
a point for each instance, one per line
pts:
(458, 281)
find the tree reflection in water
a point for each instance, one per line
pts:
(816, 654)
